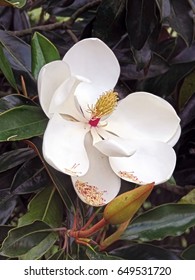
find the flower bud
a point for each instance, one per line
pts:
(124, 206)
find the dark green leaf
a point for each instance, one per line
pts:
(21, 123)
(6, 69)
(59, 255)
(189, 253)
(61, 181)
(129, 251)
(63, 184)
(7, 206)
(92, 255)
(160, 222)
(46, 206)
(40, 249)
(18, 54)
(3, 232)
(181, 19)
(187, 89)
(22, 239)
(14, 100)
(14, 158)
(164, 85)
(140, 20)
(109, 25)
(43, 52)
(179, 15)
(164, 8)
(30, 177)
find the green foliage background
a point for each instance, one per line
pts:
(154, 43)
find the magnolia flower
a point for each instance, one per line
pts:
(94, 137)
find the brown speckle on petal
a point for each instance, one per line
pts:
(91, 194)
(129, 175)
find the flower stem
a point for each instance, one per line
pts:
(88, 232)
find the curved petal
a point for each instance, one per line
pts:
(144, 115)
(63, 100)
(63, 146)
(175, 137)
(92, 59)
(51, 76)
(100, 184)
(111, 145)
(153, 162)
(87, 95)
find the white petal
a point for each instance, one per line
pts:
(143, 115)
(111, 145)
(175, 137)
(100, 184)
(87, 95)
(63, 146)
(63, 100)
(92, 59)
(51, 76)
(153, 162)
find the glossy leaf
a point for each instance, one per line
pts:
(40, 249)
(7, 206)
(46, 206)
(189, 253)
(123, 207)
(59, 255)
(22, 239)
(18, 54)
(30, 177)
(21, 123)
(6, 69)
(162, 85)
(43, 52)
(160, 222)
(187, 89)
(4, 231)
(164, 8)
(140, 21)
(184, 173)
(189, 198)
(109, 25)
(14, 100)
(61, 181)
(180, 20)
(129, 251)
(14, 158)
(13, 3)
(178, 14)
(93, 255)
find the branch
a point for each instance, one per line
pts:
(66, 25)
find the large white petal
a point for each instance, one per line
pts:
(63, 146)
(110, 145)
(100, 184)
(92, 59)
(152, 162)
(175, 137)
(51, 76)
(63, 100)
(144, 115)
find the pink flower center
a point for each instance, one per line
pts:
(94, 121)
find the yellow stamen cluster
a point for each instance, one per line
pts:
(105, 104)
